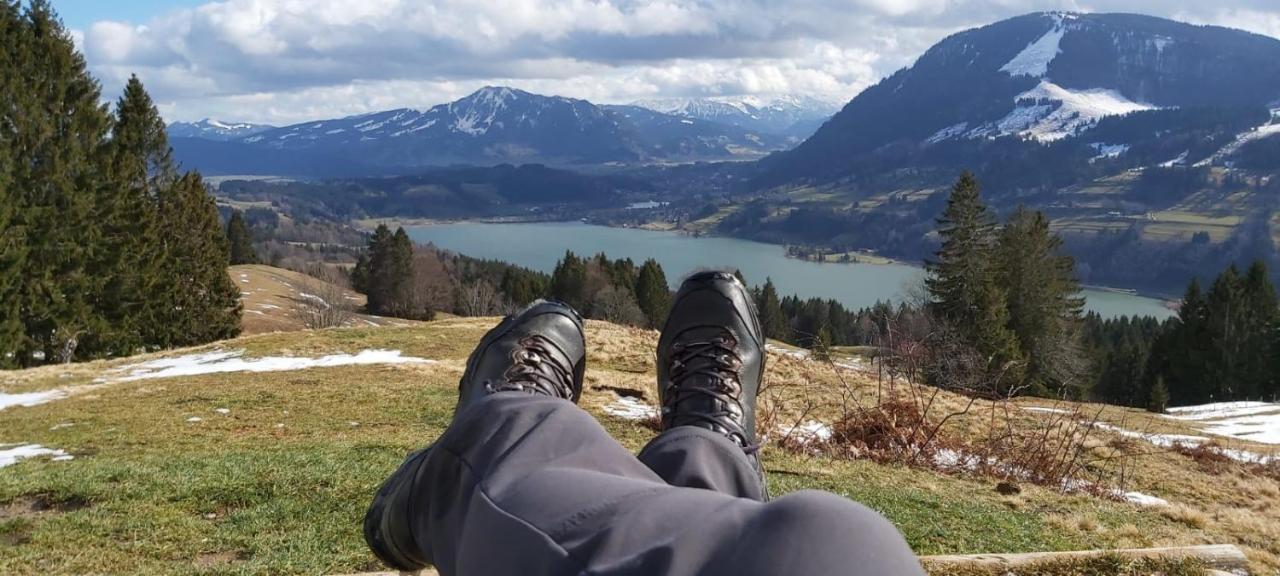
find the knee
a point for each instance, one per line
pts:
(825, 533)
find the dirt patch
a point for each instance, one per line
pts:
(29, 507)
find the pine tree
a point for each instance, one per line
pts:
(13, 240)
(1043, 300)
(569, 281)
(379, 282)
(962, 281)
(240, 240)
(772, 320)
(1259, 324)
(652, 293)
(58, 126)
(1227, 321)
(360, 274)
(402, 277)
(390, 275)
(204, 301)
(820, 345)
(1188, 350)
(133, 295)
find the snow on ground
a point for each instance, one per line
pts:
(797, 353)
(1141, 499)
(1252, 421)
(1109, 150)
(1050, 112)
(806, 431)
(217, 362)
(30, 398)
(1178, 161)
(1168, 440)
(1046, 410)
(10, 454)
(1241, 139)
(630, 408)
(1035, 58)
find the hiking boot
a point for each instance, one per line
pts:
(540, 350)
(711, 360)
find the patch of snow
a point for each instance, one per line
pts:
(630, 408)
(29, 399)
(1264, 429)
(1046, 410)
(1035, 58)
(219, 362)
(258, 312)
(313, 297)
(9, 455)
(1221, 410)
(1230, 149)
(336, 131)
(253, 139)
(1050, 112)
(1109, 150)
(798, 354)
(222, 410)
(1179, 161)
(268, 307)
(194, 419)
(1168, 440)
(1161, 43)
(807, 431)
(948, 133)
(62, 425)
(1141, 499)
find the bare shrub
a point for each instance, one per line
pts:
(617, 305)
(321, 301)
(1208, 456)
(479, 298)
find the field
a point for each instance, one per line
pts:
(189, 462)
(270, 297)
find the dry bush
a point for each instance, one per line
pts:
(480, 298)
(980, 432)
(322, 301)
(1208, 456)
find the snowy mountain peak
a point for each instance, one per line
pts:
(794, 116)
(211, 129)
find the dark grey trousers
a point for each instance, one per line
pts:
(533, 485)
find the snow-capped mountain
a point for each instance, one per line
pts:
(504, 125)
(796, 117)
(1132, 85)
(210, 129)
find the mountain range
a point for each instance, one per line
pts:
(494, 125)
(796, 117)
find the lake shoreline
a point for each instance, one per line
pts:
(854, 284)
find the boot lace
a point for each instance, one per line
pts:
(707, 368)
(538, 366)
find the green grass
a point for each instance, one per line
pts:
(279, 484)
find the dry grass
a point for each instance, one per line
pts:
(287, 499)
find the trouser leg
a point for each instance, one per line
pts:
(693, 457)
(532, 485)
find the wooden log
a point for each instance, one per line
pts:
(1222, 557)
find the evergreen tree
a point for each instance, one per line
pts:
(1259, 324)
(13, 240)
(820, 345)
(389, 282)
(652, 293)
(1188, 350)
(240, 239)
(772, 320)
(569, 281)
(54, 128)
(962, 281)
(360, 274)
(1043, 300)
(1227, 333)
(134, 298)
(203, 302)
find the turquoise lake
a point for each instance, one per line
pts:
(540, 245)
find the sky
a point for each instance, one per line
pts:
(286, 61)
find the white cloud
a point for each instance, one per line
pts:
(291, 60)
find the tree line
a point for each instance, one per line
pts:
(1223, 345)
(108, 248)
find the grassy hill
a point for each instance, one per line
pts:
(179, 464)
(270, 297)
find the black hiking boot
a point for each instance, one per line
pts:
(540, 350)
(711, 360)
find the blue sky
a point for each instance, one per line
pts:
(81, 13)
(285, 61)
